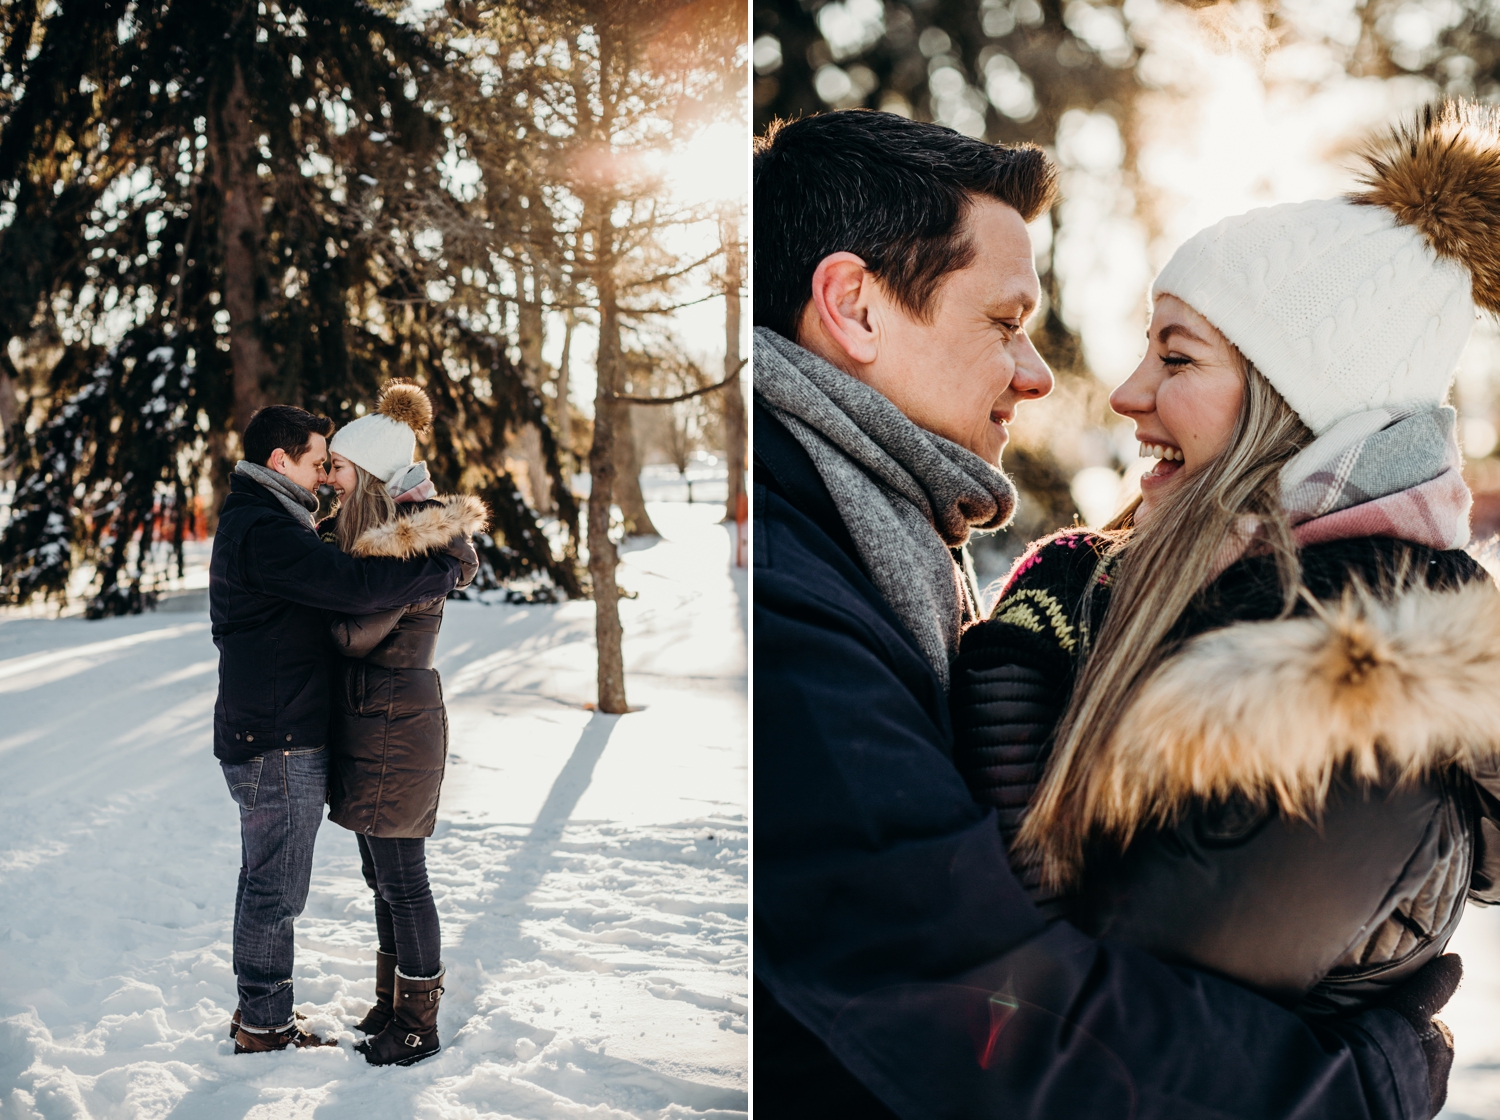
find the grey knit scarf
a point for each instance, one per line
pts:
(907, 496)
(299, 503)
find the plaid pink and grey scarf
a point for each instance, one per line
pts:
(1387, 472)
(1382, 473)
(413, 484)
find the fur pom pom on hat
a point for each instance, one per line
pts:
(1440, 175)
(385, 442)
(406, 404)
(1366, 301)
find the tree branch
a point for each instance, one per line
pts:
(671, 307)
(735, 376)
(662, 278)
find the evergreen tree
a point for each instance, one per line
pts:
(214, 204)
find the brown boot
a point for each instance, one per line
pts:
(248, 1040)
(377, 1017)
(412, 1033)
(234, 1023)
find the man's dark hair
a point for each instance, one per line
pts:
(891, 191)
(283, 426)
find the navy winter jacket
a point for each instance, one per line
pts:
(271, 584)
(898, 960)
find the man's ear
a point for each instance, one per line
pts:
(844, 299)
(278, 460)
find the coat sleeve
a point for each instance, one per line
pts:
(355, 635)
(461, 548)
(889, 924)
(285, 559)
(1484, 883)
(1012, 681)
(1003, 719)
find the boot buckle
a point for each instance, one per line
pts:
(413, 1040)
(435, 995)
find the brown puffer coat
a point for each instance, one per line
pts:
(1301, 804)
(389, 734)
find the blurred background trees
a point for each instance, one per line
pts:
(208, 205)
(1164, 117)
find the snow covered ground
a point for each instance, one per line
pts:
(590, 871)
(1474, 1017)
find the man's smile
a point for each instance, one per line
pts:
(1000, 418)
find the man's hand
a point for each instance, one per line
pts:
(1417, 1001)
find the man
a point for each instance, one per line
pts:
(272, 583)
(900, 968)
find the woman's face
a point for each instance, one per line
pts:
(1184, 397)
(341, 475)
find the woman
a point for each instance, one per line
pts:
(1253, 725)
(390, 731)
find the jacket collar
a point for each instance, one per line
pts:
(789, 471)
(246, 491)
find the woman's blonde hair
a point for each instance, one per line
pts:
(367, 505)
(1155, 570)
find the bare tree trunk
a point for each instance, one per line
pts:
(222, 446)
(628, 483)
(10, 408)
(602, 558)
(527, 444)
(9, 404)
(529, 327)
(563, 421)
(735, 427)
(235, 154)
(627, 461)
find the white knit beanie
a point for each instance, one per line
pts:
(385, 442)
(1363, 302)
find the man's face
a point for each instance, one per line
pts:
(962, 373)
(307, 469)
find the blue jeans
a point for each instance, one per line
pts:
(281, 796)
(406, 919)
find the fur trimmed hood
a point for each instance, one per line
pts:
(1271, 710)
(425, 530)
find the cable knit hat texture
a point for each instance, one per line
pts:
(1366, 301)
(385, 442)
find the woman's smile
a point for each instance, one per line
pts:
(340, 473)
(1169, 461)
